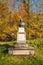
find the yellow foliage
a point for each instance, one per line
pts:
(9, 21)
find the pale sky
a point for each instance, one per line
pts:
(12, 7)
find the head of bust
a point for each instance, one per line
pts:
(21, 23)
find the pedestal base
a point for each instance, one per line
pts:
(14, 51)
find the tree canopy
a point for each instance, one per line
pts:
(9, 21)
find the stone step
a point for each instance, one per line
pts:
(22, 51)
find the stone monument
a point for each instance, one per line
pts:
(21, 48)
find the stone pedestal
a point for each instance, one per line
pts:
(21, 35)
(21, 48)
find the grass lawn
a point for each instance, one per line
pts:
(6, 59)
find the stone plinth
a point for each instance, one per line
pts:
(28, 51)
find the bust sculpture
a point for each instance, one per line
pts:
(21, 23)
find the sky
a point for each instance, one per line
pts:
(36, 5)
(33, 5)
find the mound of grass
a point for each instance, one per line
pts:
(6, 59)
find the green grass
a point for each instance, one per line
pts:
(7, 59)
